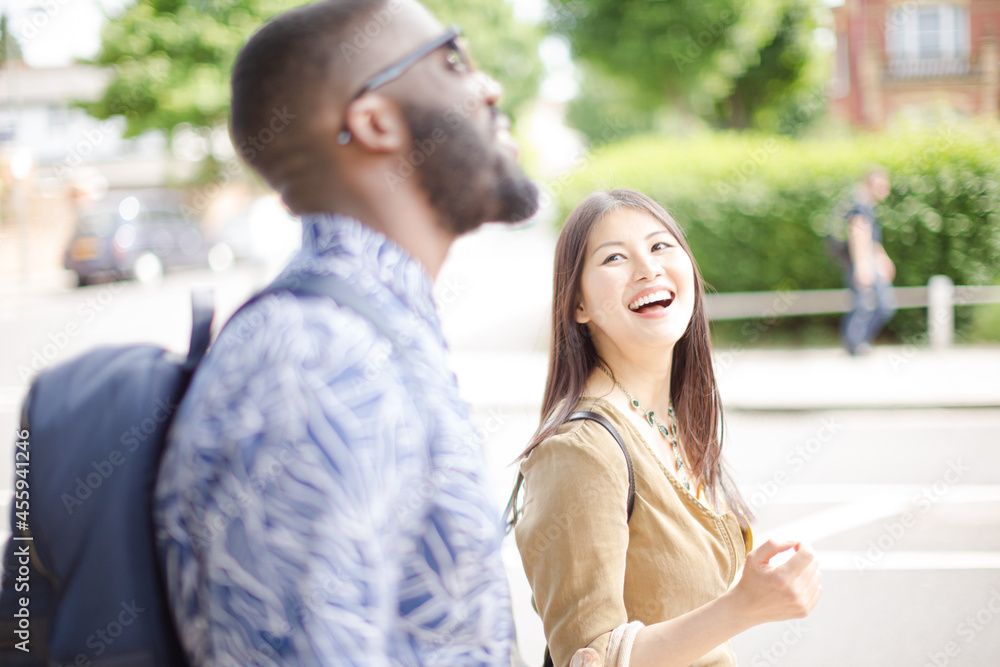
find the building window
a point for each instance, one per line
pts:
(927, 32)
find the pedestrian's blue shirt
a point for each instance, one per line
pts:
(323, 501)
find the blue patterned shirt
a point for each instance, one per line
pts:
(322, 501)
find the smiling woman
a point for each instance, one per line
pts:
(628, 242)
(634, 557)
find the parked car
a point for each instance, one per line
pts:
(138, 236)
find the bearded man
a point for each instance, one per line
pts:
(322, 498)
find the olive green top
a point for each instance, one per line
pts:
(590, 568)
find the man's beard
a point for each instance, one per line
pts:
(466, 177)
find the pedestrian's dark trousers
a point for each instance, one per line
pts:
(873, 308)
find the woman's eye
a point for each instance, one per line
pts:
(611, 257)
(662, 245)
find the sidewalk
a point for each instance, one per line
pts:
(779, 380)
(891, 377)
(39, 282)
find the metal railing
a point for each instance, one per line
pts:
(903, 69)
(940, 297)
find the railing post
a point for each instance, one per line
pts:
(941, 312)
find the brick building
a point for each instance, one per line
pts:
(910, 57)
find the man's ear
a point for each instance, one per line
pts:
(377, 123)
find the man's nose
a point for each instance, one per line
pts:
(491, 89)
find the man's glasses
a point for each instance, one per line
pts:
(458, 59)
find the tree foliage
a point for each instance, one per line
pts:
(779, 91)
(172, 58)
(735, 63)
(10, 49)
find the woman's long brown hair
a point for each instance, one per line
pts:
(572, 356)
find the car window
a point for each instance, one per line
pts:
(165, 217)
(98, 221)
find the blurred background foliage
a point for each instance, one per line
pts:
(757, 208)
(172, 58)
(731, 63)
(10, 49)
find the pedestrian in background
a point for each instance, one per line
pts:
(868, 272)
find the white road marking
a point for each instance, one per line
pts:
(848, 561)
(827, 523)
(825, 494)
(869, 502)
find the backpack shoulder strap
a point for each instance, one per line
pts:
(202, 314)
(510, 513)
(344, 294)
(603, 421)
(340, 291)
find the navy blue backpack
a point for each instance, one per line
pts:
(82, 583)
(82, 578)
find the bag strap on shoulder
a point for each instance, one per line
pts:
(202, 314)
(344, 294)
(340, 291)
(510, 513)
(603, 421)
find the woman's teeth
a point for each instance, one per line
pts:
(662, 295)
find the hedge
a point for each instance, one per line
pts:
(756, 208)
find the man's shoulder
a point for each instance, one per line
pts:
(291, 368)
(273, 315)
(282, 330)
(281, 348)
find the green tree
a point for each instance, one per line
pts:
(735, 63)
(780, 90)
(10, 50)
(606, 101)
(172, 58)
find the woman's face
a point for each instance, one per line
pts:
(637, 288)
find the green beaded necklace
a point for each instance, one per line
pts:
(670, 434)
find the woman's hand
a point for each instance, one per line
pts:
(778, 592)
(586, 657)
(767, 592)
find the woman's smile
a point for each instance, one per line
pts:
(652, 301)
